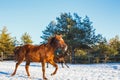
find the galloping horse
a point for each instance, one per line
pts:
(42, 53)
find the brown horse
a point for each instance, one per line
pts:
(42, 53)
(61, 59)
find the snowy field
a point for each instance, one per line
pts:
(75, 72)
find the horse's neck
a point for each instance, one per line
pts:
(51, 48)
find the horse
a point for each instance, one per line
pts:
(39, 53)
(61, 59)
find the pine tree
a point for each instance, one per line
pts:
(50, 31)
(26, 39)
(6, 42)
(77, 32)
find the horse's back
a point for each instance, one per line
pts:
(34, 52)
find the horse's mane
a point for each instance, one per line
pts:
(51, 40)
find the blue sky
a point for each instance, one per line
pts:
(32, 16)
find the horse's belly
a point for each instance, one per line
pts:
(34, 58)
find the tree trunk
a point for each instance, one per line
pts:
(73, 56)
(1, 56)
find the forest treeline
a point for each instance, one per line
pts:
(84, 45)
(8, 43)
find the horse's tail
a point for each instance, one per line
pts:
(17, 52)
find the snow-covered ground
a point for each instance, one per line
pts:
(110, 71)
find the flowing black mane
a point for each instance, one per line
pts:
(52, 41)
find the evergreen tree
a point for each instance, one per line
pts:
(16, 42)
(114, 43)
(50, 31)
(76, 32)
(26, 39)
(6, 42)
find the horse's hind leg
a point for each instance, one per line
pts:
(55, 65)
(17, 64)
(27, 67)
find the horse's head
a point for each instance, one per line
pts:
(58, 42)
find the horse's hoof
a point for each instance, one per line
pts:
(45, 79)
(12, 74)
(29, 77)
(52, 74)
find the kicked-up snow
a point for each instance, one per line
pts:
(110, 71)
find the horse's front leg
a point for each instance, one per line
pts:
(43, 70)
(55, 65)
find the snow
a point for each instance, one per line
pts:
(109, 71)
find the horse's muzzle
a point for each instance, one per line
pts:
(65, 47)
